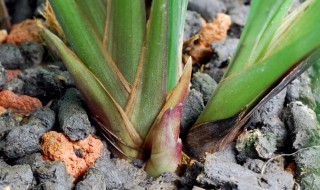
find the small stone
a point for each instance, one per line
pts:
(7, 122)
(43, 117)
(192, 107)
(21, 141)
(24, 32)
(3, 76)
(19, 104)
(15, 85)
(10, 56)
(92, 180)
(56, 146)
(303, 125)
(12, 73)
(32, 52)
(164, 181)
(3, 36)
(192, 24)
(16, 177)
(300, 90)
(223, 51)
(33, 160)
(239, 15)
(215, 73)
(203, 83)
(254, 144)
(123, 175)
(207, 8)
(53, 176)
(73, 118)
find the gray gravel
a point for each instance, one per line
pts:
(16, 177)
(73, 118)
(32, 52)
(10, 56)
(208, 9)
(203, 83)
(53, 176)
(223, 51)
(192, 24)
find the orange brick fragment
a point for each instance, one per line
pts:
(24, 32)
(20, 105)
(78, 156)
(12, 73)
(199, 47)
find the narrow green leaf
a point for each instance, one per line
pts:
(102, 105)
(177, 11)
(87, 45)
(125, 32)
(264, 18)
(149, 90)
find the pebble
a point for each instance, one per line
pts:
(3, 36)
(16, 177)
(43, 117)
(11, 56)
(191, 109)
(32, 52)
(303, 125)
(73, 118)
(56, 146)
(203, 83)
(207, 8)
(92, 180)
(22, 141)
(24, 32)
(53, 176)
(20, 105)
(223, 51)
(192, 24)
(3, 76)
(33, 160)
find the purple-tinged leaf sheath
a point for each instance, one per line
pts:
(167, 146)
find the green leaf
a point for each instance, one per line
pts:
(177, 11)
(243, 89)
(87, 45)
(264, 18)
(102, 105)
(125, 32)
(149, 89)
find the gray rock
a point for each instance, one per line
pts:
(16, 177)
(228, 153)
(215, 73)
(208, 9)
(164, 181)
(47, 82)
(43, 117)
(53, 176)
(22, 141)
(308, 168)
(220, 174)
(203, 83)
(3, 163)
(73, 118)
(7, 122)
(10, 56)
(119, 174)
(3, 76)
(254, 144)
(33, 160)
(15, 85)
(192, 24)
(239, 15)
(32, 53)
(192, 107)
(300, 90)
(302, 123)
(257, 165)
(267, 118)
(92, 180)
(223, 51)
(231, 4)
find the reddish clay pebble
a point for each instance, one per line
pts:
(12, 73)
(3, 36)
(78, 155)
(20, 105)
(24, 32)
